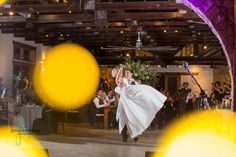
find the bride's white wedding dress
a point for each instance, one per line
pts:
(137, 107)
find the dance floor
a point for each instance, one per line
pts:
(83, 141)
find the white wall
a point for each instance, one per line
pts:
(221, 73)
(6, 55)
(204, 77)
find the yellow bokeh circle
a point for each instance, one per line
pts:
(202, 134)
(16, 143)
(67, 78)
(2, 1)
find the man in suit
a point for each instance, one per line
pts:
(183, 94)
(97, 106)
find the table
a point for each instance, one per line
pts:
(30, 114)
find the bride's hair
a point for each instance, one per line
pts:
(131, 70)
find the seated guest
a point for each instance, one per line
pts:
(110, 98)
(11, 105)
(30, 95)
(104, 95)
(18, 121)
(99, 102)
(97, 106)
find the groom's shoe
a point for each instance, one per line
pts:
(136, 139)
(124, 138)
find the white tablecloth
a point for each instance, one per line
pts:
(30, 114)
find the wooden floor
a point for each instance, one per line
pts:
(83, 141)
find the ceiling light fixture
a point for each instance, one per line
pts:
(79, 23)
(134, 22)
(191, 26)
(11, 13)
(88, 28)
(182, 11)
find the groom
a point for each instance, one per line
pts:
(131, 81)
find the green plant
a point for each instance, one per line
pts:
(143, 72)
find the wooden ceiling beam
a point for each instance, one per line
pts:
(148, 58)
(9, 21)
(93, 36)
(149, 16)
(93, 32)
(34, 8)
(137, 5)
(52, 18)
(13, 19)
(106, 42)
(212, 53)
(163, 23)
(37, 8)
(64, 18)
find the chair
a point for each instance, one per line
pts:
(4, 119)
(99, 119)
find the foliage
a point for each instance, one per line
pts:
(143, 72)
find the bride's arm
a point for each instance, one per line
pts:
(119, 76)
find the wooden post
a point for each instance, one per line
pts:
(106, 111)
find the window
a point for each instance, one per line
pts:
(24, 52)
(26, 55)
(24, 58)
(16, 53)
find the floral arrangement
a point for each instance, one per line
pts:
(141, 71)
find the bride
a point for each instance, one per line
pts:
(138, 104)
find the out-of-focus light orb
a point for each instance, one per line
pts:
(2, 1)
(67, 78)
(14, 145)
(202, 134)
